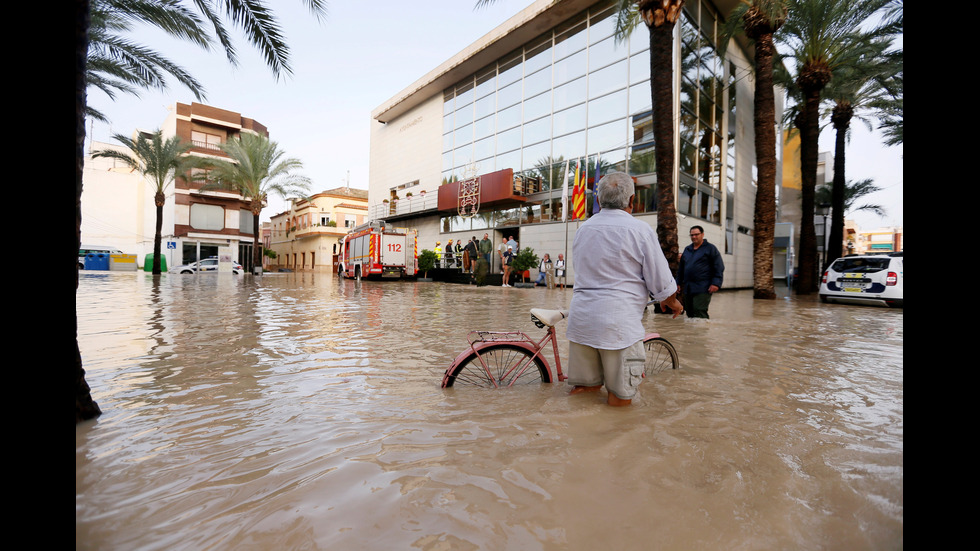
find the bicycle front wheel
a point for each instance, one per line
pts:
(508, 365)
(660, 355)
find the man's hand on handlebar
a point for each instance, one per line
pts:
(673, 305)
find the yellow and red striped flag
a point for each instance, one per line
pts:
(578, 192)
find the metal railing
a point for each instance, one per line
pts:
(402, 206)
(205, 145)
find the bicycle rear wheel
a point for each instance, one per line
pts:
(509, 365)
(660, 355)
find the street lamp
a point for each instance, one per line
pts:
(823, 209)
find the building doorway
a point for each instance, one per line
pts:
(245, 249)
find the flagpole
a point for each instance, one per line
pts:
(564, 210)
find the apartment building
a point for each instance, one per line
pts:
(118, 207)
(306, 236)
(205, 221)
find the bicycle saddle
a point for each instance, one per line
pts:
(542, 317)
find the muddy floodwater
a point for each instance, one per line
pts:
(300, 411)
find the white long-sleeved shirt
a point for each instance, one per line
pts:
(618, 262)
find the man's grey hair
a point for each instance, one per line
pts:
(615, 190)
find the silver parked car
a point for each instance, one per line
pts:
(209, 264)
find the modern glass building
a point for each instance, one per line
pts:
(554, 87)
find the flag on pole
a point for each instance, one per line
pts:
(595, 188)
(564, 195)
(578, 192)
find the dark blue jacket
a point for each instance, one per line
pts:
(700, 268)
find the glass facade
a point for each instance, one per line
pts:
(577, 93)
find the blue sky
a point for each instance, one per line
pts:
(362, 54)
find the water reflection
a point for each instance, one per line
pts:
(301, 411)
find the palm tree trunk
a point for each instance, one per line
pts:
(256, 244)
(809, 136)
(85, 406)
(662, 96)
(159, 199)
(765, 154)
(841, 118)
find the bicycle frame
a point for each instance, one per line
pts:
(481, 339)
(486, 342)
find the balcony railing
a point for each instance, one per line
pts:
(205, 145)
(380, 211)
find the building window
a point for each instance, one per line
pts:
(207, 217)
(577, 93)
(245, 221)
(205, 140)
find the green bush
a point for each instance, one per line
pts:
(427, 261)
(525, 260)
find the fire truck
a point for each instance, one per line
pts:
(377, 249)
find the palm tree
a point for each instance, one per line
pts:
(853, 90)
(760, 19)
(257, 168)
(852, 192)
(158, 161)
(823, 36)
(261, 29)
(115, 64)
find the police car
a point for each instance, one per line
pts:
(865, 279)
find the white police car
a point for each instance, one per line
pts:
(865, 279)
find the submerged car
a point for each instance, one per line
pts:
(865, 279)
(209, 264)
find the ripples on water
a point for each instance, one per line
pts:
(298, 411)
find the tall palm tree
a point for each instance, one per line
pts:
(261, 29)
(854, 90)
(760, 19)
(823, 35)
(660, 17)
(159, 162)
(257, 168)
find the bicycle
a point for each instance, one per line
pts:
(497, 359)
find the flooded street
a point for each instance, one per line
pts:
(299, 411)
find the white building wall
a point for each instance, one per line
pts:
(115, 203)
(738, 266)
(406, 149)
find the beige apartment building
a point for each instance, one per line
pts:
(306, 237)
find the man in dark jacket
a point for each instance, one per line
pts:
(700, 274)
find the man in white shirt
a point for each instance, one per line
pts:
(618, 263)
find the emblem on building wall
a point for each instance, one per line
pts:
(468, 197)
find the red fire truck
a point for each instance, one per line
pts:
(377, 249)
